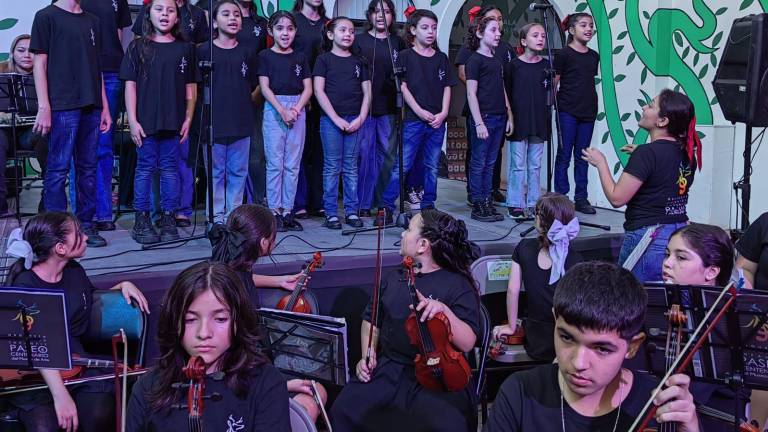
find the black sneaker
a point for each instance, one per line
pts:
(354, 221)
(94, 239)
(481, 213)
(332, 223)
(182, 222)
(516, 212)
(498, 196)
(583, 206)
(143, 232)
(168, 230)
(364, 213)
(492, 210)
(104, 226)
(291, 224)
(389, 218)
(280, 223)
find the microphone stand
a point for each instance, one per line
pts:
(551, 102)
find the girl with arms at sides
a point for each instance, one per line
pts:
(47, 252)
(343, 90)
(286, 83)
(538, 264)
(160, 93)
(386, 395)
(576, 66)
(427, 98)
(206, 313)
(527, 84)
(504, 53)
(234, 81)
(656, 181)
(193, 24)
(491, 114)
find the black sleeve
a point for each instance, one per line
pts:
(123, 14)
(462, 56)
(138, 407)
(367, 312)
(262, 65)
(466, 307)
(137, 25)
(253, 69)
(402, 62)
(516, 253)
(504, 415)
(270, 406)
(306, 72)
(41, 33)
(321, 69)
(559, 62)
(365, 74)
(472, 68)
(751, 243)
(191, 76)
(129, 69)
(640, 163)
(450, 74)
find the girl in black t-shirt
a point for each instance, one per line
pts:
(491, 115)
(47, 252)
(160, 93)
(343, 90)
(385, 395)
(193, 23)
(655, 183)
(206, 314)
(576, 66)
(286, 83)
(538, 265)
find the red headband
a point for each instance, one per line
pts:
(564, 23)
(472, 12)
(693, 143)
(409, 11)
(520, 50)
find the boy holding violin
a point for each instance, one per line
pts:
(599, 311)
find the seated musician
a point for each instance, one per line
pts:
(698, 254)
(386, 395)
(538, 264)
(599, 311)
(206, 313)
(47, 252)
(248, 235)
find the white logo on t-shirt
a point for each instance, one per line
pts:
(93, 37)
(257, 31)
(509, 57)
(297, 69)
(191, 25)
(244, 69)
(394, 54)
(357, 71)
(114, 5)
(441, 74)
(235, 425)
(183, 64)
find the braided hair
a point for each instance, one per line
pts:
(449, 242)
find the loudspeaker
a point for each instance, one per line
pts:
(741, 80)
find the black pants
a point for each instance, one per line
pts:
(309, 191)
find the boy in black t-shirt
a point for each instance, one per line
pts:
(72, 104)
(599, 310)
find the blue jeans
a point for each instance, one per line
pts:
(484, 154)
(340, 151)
(374, 146)
(74, 134)
(157, 152)
(524, 168)
(418, 138)
(577, 135)
(648, 268)
(283, 147)
(230, 171)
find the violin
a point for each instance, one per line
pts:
(439, 367)
(497, 345)
(295, 301)
(194, 371)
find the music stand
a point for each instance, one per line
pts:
(17, 97)
(310, 346)
(46, 334)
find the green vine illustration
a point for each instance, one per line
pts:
(6, 24)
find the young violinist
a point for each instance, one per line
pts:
(385, 394)
(698, 254)
(47, 253)
(599, 311)
(206, 313)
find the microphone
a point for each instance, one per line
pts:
(538, 6)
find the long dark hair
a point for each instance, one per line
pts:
(449, 242)
(712, 245)
(43, 232)
(244, 353)
(299, 4)
(330, 26)
(238, 243)
(413, 22)
(372, 11)
(215, 12)
(146, 53)
(571, 21)
(479, 26)
(679, 110)
(553, 206)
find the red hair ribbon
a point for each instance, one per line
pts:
(693, 143)
(520, 50)
(564, 23)
(146, 2)
(409, 11)
(472, 12)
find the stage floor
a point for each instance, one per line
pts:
(122, 254)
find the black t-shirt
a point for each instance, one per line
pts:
(264, 408)
(234, 78)
(344, 77)
(667, 177)
(309, 36)
(78, 298)
(193, 25)
(429, 76)
(540, 324)
(376, 53)
(577, 94)
(453, 289)
(73, 44)
(286, 72)
(528, 84)
(530, 401)
(504, 53)
(254, 33)
(753, 245)
(489, 74)
(161, 81)
(113, 16)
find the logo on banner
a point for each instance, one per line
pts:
(31, 312)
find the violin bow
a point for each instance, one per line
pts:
(121, 386)
(680, 363)
(319, 403)
(376, 287)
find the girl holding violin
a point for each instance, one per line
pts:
(599, 312)
(386, 394)
(47, 253)
(207, 314)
